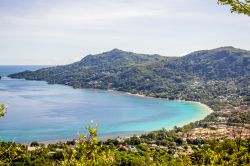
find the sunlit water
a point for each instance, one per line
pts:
(41, 112)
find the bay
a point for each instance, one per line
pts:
(38, 111)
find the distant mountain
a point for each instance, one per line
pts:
(155, 75)
(220, 63)
(116, 58)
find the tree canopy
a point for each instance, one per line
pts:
(2, 110)
(238, 6)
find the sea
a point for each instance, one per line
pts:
(37, 111)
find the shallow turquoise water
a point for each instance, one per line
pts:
(42, 112)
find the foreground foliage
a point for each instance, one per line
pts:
(2, 110)
(89, 151)
(238, 6)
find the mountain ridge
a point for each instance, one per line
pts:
(153, 75)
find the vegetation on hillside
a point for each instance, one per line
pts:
(198, 76)
(87, 150)
(219, 78)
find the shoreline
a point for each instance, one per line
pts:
(206, 107)
(122, 134)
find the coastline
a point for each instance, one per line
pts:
(129, 134)
(206, 107)
(124, 135)
(121, 135)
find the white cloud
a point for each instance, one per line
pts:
(65, 28)
(79, 14)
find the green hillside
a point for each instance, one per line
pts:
(198, 75)
(219, 78)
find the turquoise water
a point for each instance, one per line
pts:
(41, 112)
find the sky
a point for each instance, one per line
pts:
(55, 32)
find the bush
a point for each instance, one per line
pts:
(34, 144)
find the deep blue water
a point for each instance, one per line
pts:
(41, 112)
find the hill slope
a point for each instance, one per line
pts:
(199, 75)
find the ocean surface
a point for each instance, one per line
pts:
(38, 111)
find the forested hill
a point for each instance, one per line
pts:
(192, 77)
(220, 63)
(115, 59)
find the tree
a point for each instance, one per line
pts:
(2, 110)
(238, 6)
(89, 151)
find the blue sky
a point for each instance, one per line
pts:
(63, 31)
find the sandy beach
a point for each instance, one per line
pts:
(206, 108)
